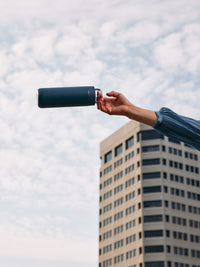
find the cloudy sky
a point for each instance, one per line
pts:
(49, 159)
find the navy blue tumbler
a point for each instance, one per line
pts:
(67, 96)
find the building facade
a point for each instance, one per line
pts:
(149, 200)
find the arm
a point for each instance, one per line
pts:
(118, 104)
(178, 127)
(165, 121)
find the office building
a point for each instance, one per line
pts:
(149, 200)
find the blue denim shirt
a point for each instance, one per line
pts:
(178, 127)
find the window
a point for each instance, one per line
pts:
(155, 161)
(107, 221)
(153, 233)
(107, 249)
(107, 182)
(130, 182)
(130, 210)
(130, 239)
(152, 203)
(107, 235)
(168, 249)
(151, 175)
(129, 142)
(167, 232)
(119, 258)
(130, 224)
(130, 196)
(153, 218)
(130, 254)
(118, 150)
(119, 229)
(118, 176)
(154, 249)
(118, 188)
(150, 148)
(154, 264)
(130, 169)
(107, 194)
(107, 263)
(148, 135)
(108, 157)
(118, 202)
(119, 244)
(151, 189)
(118, 215)
(174, 140)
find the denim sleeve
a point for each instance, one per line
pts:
(178, 127)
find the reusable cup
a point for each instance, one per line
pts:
(67, 96)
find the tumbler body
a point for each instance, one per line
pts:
(66, 96)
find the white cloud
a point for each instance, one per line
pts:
(49, 158)
(179, 51)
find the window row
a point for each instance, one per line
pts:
(171, 150)
(146, 219)
(180, 264)
(175, 151)
(180, 235)
(179, 220)
(176, 178)
(160, 264)
(119, 258)
(185, 252)
(173, 164)
(132, 238)
(118, 176)
(193, 182)
(194, 224)
(107, 169)
(119, 149)
(177, 192)
(178, 206)
(191, 155)
(193, 209)
(151, 234)
(195, 238)
(143, 136)
(180, 179)
(193, 195)
(181, 193)
(146, 204)
(118, 163)
(195, 253)
(192, 169)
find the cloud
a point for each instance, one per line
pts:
(49, 164)
(177, 52)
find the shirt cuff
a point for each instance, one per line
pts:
(159, 121)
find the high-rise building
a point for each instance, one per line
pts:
(149, 203)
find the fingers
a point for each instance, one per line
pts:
(101, 103)
(99, 99)
(113, 94)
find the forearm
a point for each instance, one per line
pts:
(142, 115)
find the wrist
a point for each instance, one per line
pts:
(131, 112)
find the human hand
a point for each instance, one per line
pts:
(114, 104)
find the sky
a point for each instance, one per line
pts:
(49, 158)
